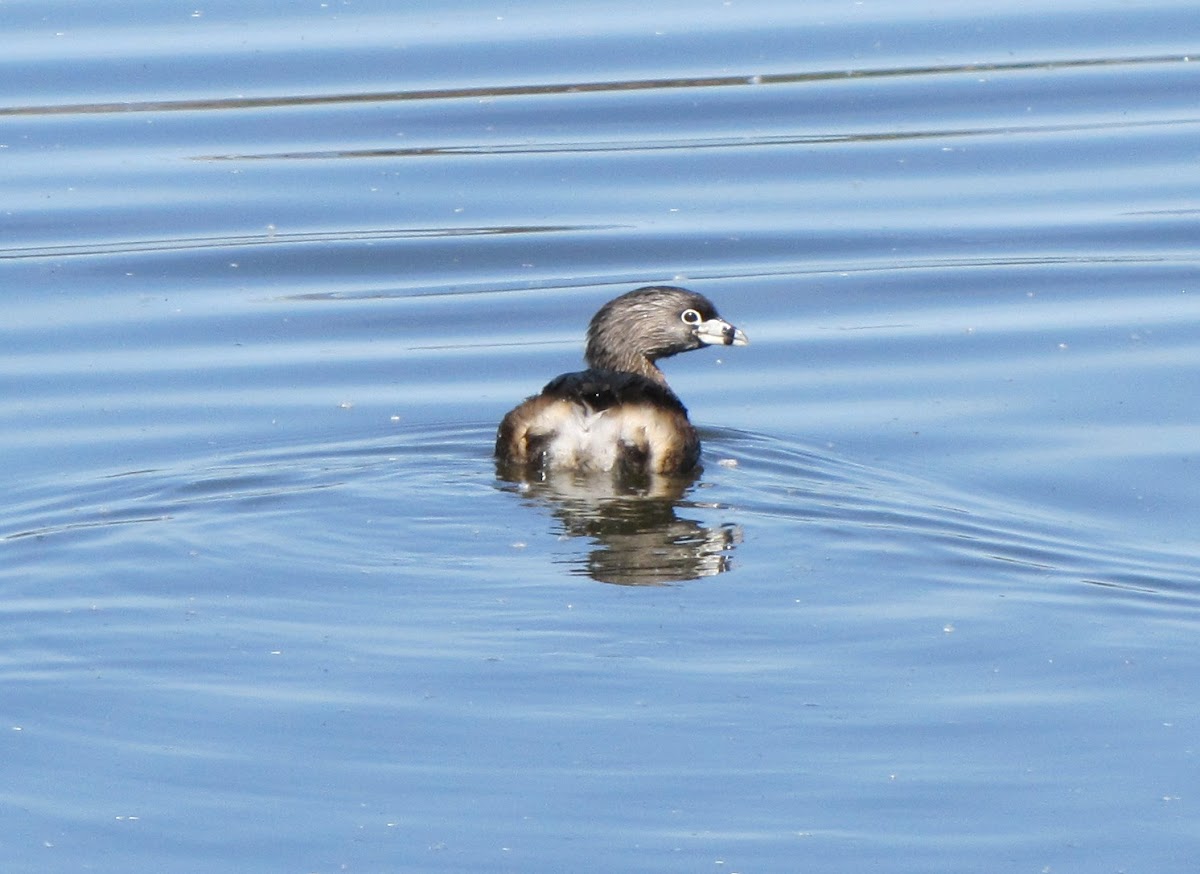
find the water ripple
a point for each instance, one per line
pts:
(494, 91)
(273, 237)
(696, 143)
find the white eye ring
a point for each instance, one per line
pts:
(691, 317)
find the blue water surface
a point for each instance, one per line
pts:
(272, 273)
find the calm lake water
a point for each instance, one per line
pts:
(273, 272)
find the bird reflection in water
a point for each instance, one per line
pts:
(638, 536)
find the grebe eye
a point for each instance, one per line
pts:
(691, 317)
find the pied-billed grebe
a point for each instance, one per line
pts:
(619, 414)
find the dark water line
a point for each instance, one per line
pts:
(271, 237)
(493, 91)
(741, 142)
(811, 268)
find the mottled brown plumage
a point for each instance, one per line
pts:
(619, 415)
